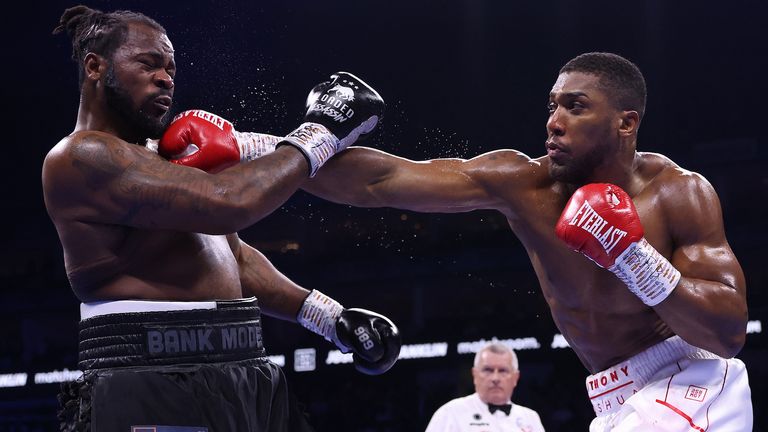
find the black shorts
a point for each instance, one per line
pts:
(176, 389)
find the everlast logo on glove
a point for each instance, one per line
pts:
(196, 339)
(211, 118)
(590, 221)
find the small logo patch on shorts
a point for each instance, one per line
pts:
(169, 429)
(696, 393)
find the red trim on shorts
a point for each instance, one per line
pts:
(725, 375)
(611, 390)
(681, 414)
(670, 382)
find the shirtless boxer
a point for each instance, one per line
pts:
(654, 304)
(170, 335)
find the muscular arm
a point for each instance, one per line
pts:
(708, 307)
(96, 178)
(278, 296)
(366, 177)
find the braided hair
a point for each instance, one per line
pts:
(98, 32)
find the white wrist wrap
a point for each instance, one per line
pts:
(319, 314)
(316, 142)
(649, 276)
(254, 145)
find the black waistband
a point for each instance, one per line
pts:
(231, 332)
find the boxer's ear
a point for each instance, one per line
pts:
(629, 121)
(94, 66)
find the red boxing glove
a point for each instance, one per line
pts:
(210, 133)
(218, 144)
(601, 222)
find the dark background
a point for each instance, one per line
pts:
(460, 78)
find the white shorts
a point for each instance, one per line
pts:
(672, 386)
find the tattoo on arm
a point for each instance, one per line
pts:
(123, 183)
(138, 182)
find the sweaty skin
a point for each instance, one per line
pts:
(132, 225)
(589, 141)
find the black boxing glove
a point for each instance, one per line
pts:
(373, 339)
(339, 112)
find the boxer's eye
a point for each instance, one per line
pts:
(576, 107)
(551, 107)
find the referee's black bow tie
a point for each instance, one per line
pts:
(504, 408)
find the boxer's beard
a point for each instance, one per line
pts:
(578, 171)
(144, 125)
(581, 170)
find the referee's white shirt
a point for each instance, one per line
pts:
(470, 414)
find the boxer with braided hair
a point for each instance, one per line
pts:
(170, 336)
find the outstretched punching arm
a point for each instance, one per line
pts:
(366, 177)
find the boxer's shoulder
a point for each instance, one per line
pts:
(508, 157)
(651, 164)
(92, 151)
(668, 179)
(85, 138)
(510, 175)
(507, 166)
(81, 163)
(86, 146)
(684, 198)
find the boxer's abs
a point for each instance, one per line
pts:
(601, 319)
(153, 265)
(601, 341)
